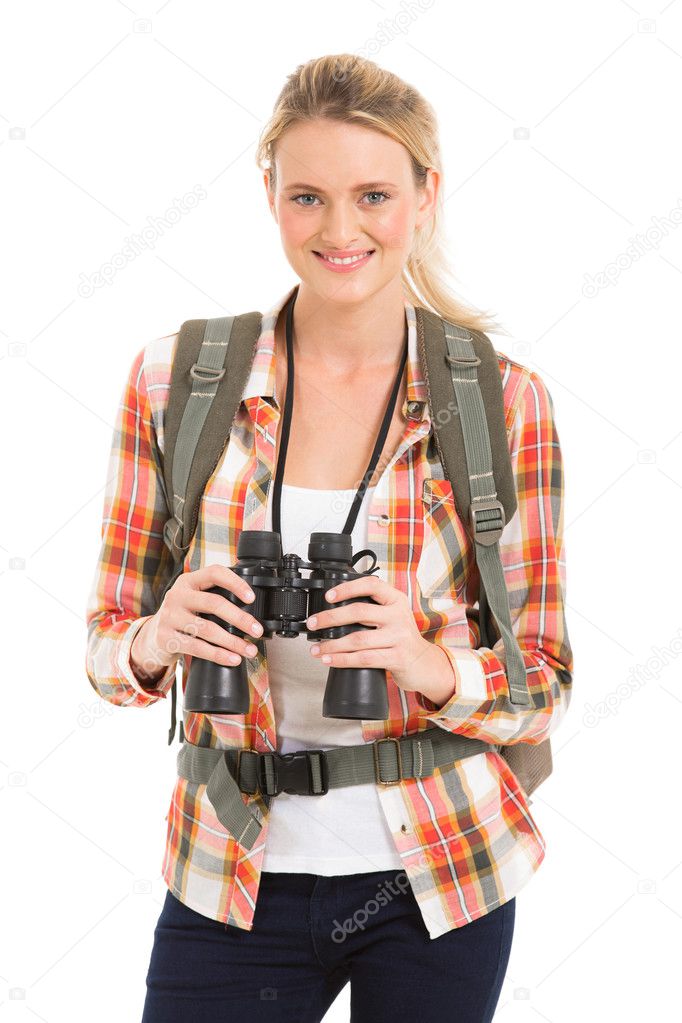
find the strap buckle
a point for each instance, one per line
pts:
(293, 773)
(377, 768)
(206, 374)
(490, 530)
(463, 360)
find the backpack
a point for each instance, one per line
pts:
(471, 442)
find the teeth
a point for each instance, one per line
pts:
(348, 259)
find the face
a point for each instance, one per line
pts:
(344, 190)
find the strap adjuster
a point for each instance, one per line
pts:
(291, 772)
(206, 374)
(237, 773)
(490, 530)
(377, 769)
(463, 360)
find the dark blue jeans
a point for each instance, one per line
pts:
(311, 935)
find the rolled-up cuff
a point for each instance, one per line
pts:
(470, 683)
(125, 668)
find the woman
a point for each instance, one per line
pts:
(406, 890)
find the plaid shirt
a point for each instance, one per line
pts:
(465, 835)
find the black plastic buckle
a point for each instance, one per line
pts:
(293, 773)
(488, 532)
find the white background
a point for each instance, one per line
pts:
(560, 137)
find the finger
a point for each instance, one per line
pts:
(218, 575)
(356, 612)
(361, 659)
(214, 604)
(362, 639)
(216, 635)
(207, 651)
(366, 586)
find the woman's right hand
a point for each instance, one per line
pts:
(177, 629)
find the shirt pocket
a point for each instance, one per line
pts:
(446, 549)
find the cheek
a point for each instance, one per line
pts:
(394, 230)
(294, 230)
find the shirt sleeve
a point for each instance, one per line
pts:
(532, 554)
(134, 563)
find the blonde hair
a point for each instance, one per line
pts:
(346, 87)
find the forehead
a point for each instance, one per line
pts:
(337, 154)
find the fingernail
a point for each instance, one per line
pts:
(251, 650)
(331, 594)
(249, 595)
(314, 650)
(312, 622)
(326, 658)
(256, 629)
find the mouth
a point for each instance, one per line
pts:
(344, 263)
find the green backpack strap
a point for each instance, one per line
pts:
(488, 486)
(197, 427)
(486, 493)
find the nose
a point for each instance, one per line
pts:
(340, 226)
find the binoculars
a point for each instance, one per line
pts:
(283, 602)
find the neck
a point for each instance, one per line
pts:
(347, 337)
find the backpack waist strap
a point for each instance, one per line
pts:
(229, 772)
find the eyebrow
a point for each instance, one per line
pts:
(367, 186)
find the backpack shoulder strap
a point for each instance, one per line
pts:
(465, 362)
(197, 427)
(199, 375)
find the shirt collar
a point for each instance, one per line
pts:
(261, 381)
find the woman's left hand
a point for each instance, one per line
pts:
(394, 642)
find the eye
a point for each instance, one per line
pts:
(385, 195)
(310, 195)
(304, 195)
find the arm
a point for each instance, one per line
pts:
(474, 700)
(134, 562)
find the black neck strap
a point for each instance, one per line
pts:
(286, 425)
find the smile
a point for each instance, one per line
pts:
(347, 261)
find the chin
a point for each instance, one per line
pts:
(343, 289)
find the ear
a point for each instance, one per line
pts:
(428, 197)
(269, 195)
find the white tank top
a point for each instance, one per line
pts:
(343, 831)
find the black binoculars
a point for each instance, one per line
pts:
(283, 602)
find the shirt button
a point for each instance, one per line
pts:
(384, 520)
(414, 409)
(403, 828)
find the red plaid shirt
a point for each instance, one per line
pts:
(465, 835)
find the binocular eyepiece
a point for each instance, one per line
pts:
(283, 602)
